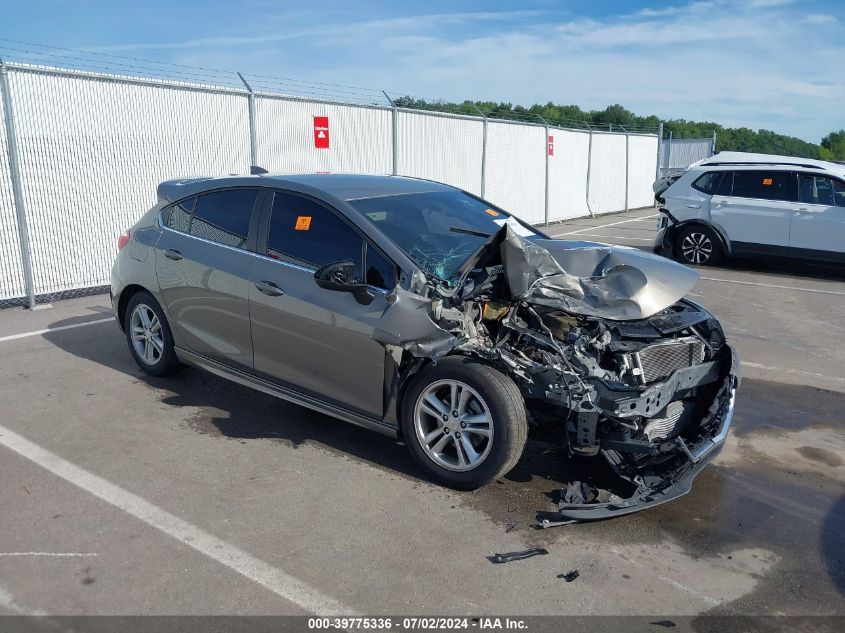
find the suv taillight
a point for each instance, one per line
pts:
(123, 240)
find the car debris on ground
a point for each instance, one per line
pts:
(497, 559)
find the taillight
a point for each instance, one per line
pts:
(123, 240)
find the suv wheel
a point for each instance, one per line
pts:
(698, 245)
(464, 422)
(148, 334)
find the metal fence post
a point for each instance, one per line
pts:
(394, 132)
(713, 149)
(253, 142)
(659, 151)
(17, 191)
(669, 152)
(627, 165)
(484, 156)
(483, 147)
(589, 169)
(546, 194)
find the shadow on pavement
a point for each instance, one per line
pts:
(233, 411)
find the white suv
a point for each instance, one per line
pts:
(738, 204)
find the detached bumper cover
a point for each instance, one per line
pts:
(699, 454)
(662, 242)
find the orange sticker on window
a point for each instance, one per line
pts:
(491, 212)
(767, 181)
(303, 223)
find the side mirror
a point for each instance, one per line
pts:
(340, 276)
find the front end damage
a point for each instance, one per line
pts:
(603, 347)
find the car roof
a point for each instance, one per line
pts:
(344, 187)
(748, 160)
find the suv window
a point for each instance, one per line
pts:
(223, 216)
(726, 184)
(306, 233)
(707, 183)
(820, 190)
(765, 185)
(839, 193)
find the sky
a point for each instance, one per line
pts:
(773, 64)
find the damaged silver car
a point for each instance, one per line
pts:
(421, 311)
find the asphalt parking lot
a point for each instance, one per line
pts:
(124, 494)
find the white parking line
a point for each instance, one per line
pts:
(753, 283)
(616, 237)
(269, 577)
(13, 337)
(794, 372)
(589, 228)
(51, 554)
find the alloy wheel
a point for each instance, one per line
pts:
(147, 339)
(697, 248)
(453, 425)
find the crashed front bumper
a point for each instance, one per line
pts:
(698, 455)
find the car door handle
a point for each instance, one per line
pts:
(693, 206)
(173, 254)
(269, 288)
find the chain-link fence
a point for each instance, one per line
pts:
(676, 154)
(81, 154)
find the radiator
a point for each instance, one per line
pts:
(658, 361)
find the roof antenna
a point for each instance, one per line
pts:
(255, 170)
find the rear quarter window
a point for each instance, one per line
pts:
(709, 182)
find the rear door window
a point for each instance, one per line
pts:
(726, 184)
(765, 185)
(223, 216)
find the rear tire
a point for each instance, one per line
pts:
(148, 334)
(464, 422)
(698, 245)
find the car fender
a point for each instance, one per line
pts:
(678, 225)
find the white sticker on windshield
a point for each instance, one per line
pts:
(518, 228)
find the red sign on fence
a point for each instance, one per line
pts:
(551, 145)
(321, 132)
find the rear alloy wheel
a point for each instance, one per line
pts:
(148, 334)
(464, 422)
(698, 245)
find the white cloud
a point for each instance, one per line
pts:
(755, 63)
(821, 19)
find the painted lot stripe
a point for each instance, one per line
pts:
(50, 554)
(588, 228)
(271, 578)
(53, 329)
(793, 372)
(618, 237)
(752, 283)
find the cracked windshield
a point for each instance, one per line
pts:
(439, 230)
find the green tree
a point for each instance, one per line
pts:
(833, 145)
(741, 139)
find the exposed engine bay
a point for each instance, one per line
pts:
(600, 342)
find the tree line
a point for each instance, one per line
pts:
(742, 139)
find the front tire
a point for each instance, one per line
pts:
(148, 334)
(698, 245)
(464, 422)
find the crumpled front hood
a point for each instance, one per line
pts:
(591, 279)
(583, 278)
